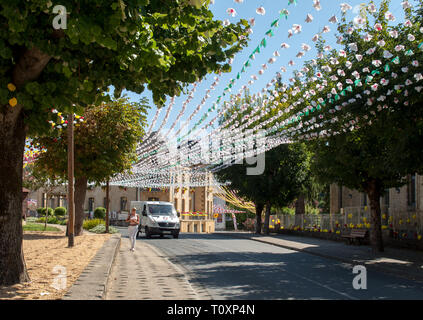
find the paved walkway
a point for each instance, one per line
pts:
(146, 274)
(401, 262)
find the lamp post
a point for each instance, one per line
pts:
(71, 204)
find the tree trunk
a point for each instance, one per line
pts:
(28, 67)
(267, 218)
(80, 193)
(299, 210)
(12, 143)
(259, 210)
(374, 193)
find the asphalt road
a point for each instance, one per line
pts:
(230, 268)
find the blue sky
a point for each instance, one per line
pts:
(247, 10)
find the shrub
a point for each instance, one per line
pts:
(60, 212)
(63, 222)
(100, 213)
(229, 225)
(50, 220)
(42, 211)
(101, 228)
(89, 224)
(287, 210)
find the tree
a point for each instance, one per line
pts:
(162, 44)
(286, 170)
(366, 116)
(105, 144)
(370, 159)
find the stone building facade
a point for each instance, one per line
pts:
(198, 199)
(408, 198)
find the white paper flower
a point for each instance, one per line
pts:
(297, 28)
(315, 38)
(381, 43)
(333, 19)
(285, 45)
(326, 29)
(389, 16)
(316, 5)
(371, 8)
(377, 63)
(378, 27)
(252, 22)
(261, 11)
(305, 47)
(411, 37)
(387, 54)
(309, 18)
(353, 46)
(367, 37)
(231, 12)
(408, 23)
(226, 22)
(406, 5)
(345, 7)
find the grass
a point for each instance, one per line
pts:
(38, 227)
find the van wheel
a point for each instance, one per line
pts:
(175, 235)
(138, 234)
(147, 233)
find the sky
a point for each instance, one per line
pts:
(247, 10)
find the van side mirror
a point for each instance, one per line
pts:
(178, 214)
(144, 213)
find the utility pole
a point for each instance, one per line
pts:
(107, 206)
(71, 203)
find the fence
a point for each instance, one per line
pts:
(403, 223)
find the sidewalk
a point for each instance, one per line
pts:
(92, 283)
(146, 274)
(400, 262)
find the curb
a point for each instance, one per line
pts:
(387, 270)
(93, 281)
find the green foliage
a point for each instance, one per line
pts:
(229, 225)
(50, 220)
(42, 211)
(101, 228)
(38, 227)
(287, 211)
(160, 44)
(106, 142)
(100, 213)
(89, 224)
(60, 212)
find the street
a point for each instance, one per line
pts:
(222, 267)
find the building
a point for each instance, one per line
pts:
(185, 199)
(408, 198)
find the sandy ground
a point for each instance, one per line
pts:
(46, 253)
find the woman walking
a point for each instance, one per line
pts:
(134, 221)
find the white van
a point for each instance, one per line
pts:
(157, 218)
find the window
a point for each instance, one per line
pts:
(364, 199)
(340, 197)
(90, 204)
(386, 198)
(43, 200)
(123, 203)
(411, 191)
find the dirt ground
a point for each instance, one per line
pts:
(46, 253)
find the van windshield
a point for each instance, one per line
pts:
(160, 209)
